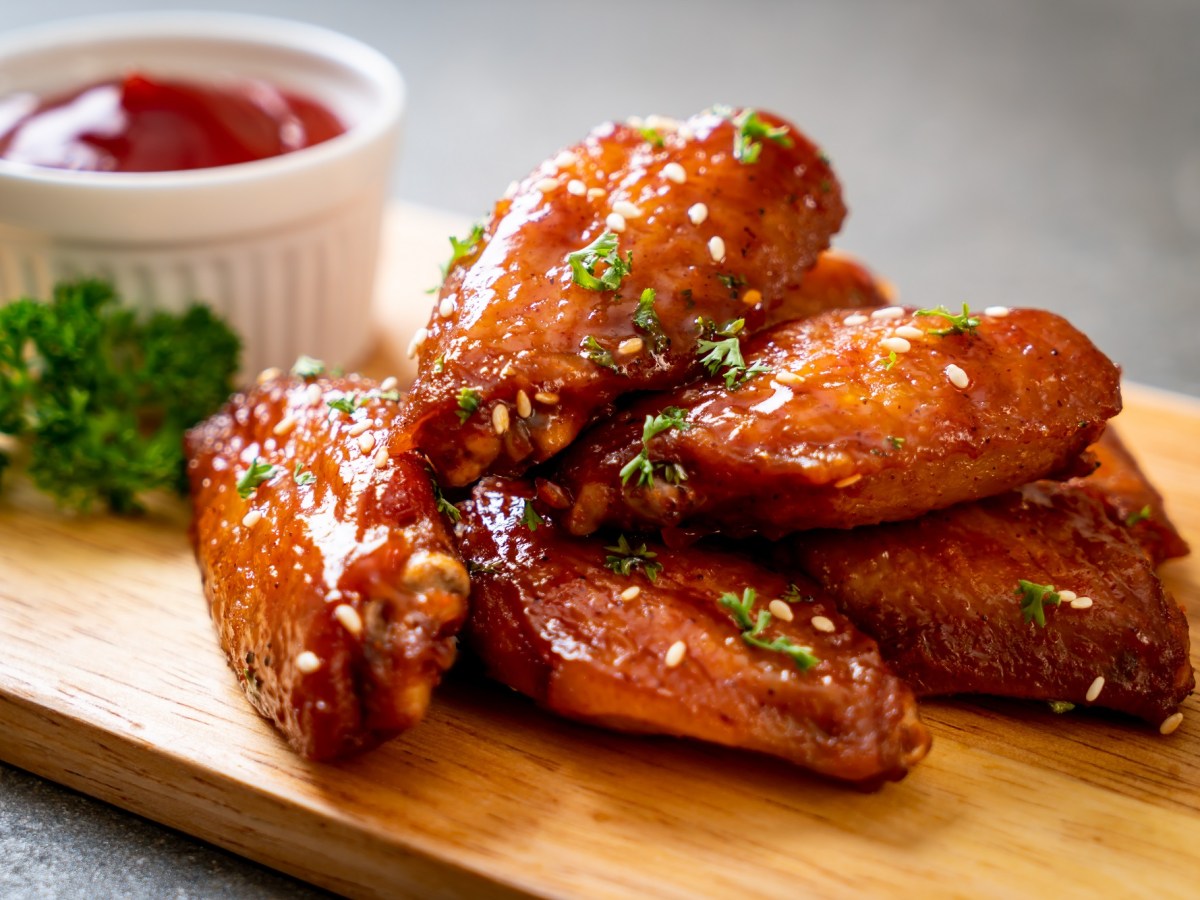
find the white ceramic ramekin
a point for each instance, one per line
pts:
(284, 248)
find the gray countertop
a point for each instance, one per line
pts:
(1023, 153)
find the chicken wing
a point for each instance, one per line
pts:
(1039, 593)
(332, 579)
(637, 638)
(853, 419)
(586, 282)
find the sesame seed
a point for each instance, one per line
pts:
(548, 397)
(822, 623)
(252, 518)
(381, 458)
(856, 319)
(685, 133)
(1170, 723)
(627, 209)
(673, 171)
(957, 376)
(997, 312)
(417, 342)
(697, 213)
(349, 618)
(269, 375)
(284, 425)
(1094, 691)
(1081, 603)
(358, 428)
(566, 158)
(446, 307)
(388, 384)
(576, 188)
(615, 222)
(1067, 596)
(910, 331)
(630, 593)
(716, 248)
(780, 610)
(888, 312)
(848, 480)
(676, 654)
(788, 378)
(366, 443)
(314, 394)
(752, 297)
(499, 418)
(896, 344)
(524, 407)
(596, 193)
(546, 185)
(308, 662)
(630, 347)
(511, 190)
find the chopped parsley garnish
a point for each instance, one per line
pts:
(752, 627)
(1034, 598)
(593, 350)
(651, 136)
(346, 403)
(475, 568)
(602, 249)
(1140, 515)
(306, 367)
(301, 475)
(896, 442)
(464, 248)
(439, 364)
(959, 324)
(258, 473)
(671, 417)
(793, 595)
(726, 352)
(647, 320)
(468, 402)
(389, 396)
(623, 558)
(1060, 706)
(889, 360)
(733, 283)
(530, 518)
(751, 131)
(444, 506)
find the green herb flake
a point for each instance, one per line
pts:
(475, 568)
(593, 350)
(439, 364)
(651, 136)
(258, 473)
(741, 610)
(603, 249)
(464, 248)
(959, 324)
(726, 352)
(1060, 706)
(1140, 515)
(751, 131)
(640, 465)
(896, 442)
(623, 558)
(733, 284)
(888, 361)
(1034, 598)
(302, 476)
(793, 595)
(444, 506)
(468, 401)
(307, 368)
(646, 318)
(530, 518)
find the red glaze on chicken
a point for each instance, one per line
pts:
(853, 419)
(943, 597)
(662, 655)
(524, 348)
(836, 281)
(335, 585)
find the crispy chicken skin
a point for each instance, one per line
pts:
(837, 281)
(335, 597)
(711, 235)
(550, 620)
(939, 593)
(835, 435)
(1120, 480)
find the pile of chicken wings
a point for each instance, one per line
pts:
(673, 465)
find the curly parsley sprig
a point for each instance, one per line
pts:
(752, 626)
(623, 558)
(959, 324)
(1034, 598)
(602, 249)
(640, 465)
(726, 352)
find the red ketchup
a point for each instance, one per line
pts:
(142, 124)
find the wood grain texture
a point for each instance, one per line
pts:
(111, 682)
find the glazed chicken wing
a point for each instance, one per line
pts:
(636, 638)
(956, 601)
(587, 281)
(836, 281)
(334, 584)
(849, 419)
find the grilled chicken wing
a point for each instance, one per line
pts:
(943, 597)
(526, 345)
(661, 655)
(857, 419)
(1121, 481)
(335, 586)
(836, 281)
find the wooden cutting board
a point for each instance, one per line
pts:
(111, 682)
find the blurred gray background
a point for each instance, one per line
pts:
(1030, 152)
